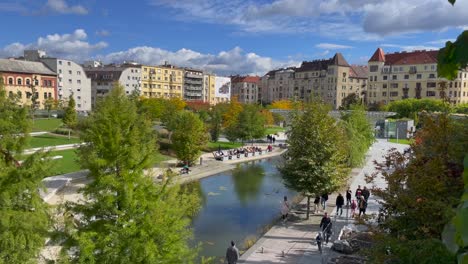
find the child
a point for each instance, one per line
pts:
(353, 207)
(318, 239)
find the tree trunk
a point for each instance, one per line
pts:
(308, 206)
(69, 131)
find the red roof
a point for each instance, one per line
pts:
(247, 79)
(401, 58)
(358, 71)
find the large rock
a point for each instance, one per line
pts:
(342, 246)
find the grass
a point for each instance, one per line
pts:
(46, 124)
(47, 140)
(400, 141)
(213, 146)
(274, 130)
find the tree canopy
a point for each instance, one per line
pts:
(126, 218)
(69, 117)
(410, 107)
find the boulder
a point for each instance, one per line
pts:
(342, 246)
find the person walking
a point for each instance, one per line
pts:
(353, 208)
(362, 207)
(324, 200)
(284, 209)
(232, 254)
(339, 204)
(366, 193)
(358, 193)
(316, 204)
(326, 225)
(318, 239)
(348, 196)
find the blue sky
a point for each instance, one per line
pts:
(227, 37)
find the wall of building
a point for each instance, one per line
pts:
(161, 81)
(20, 84)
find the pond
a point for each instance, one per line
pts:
(238, 205)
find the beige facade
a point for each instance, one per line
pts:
(162, 81)
(327, 80)
(401, 75)
(25, 79)
(245, 88)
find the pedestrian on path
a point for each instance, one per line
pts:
(316, 204)
(285, 209)
(232, 254)
(366, 193)
(339, 204)
(324, 200)
(358, 193)
(353, 208)
(348, 196)
(362, 207)
(318, 239)
(326, 225)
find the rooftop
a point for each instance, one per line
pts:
(358, 71)
(247, 79)
(318, 65)
(20, 66)
(405, 58)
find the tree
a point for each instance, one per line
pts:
(152, 107)
(24, 218)
(409, 107)
(171, 108)
(315, 160)
(348, 101)
(268, 117)
(424, 185)
(453, 57)
(231, 118)
(359, 133)
(250, 123)
(50, 104)
(126, 217)
(189, 137)
(215, 123)
(282, 104)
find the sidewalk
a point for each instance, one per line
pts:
(297, 238)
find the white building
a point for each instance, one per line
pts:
(103, 79)
(71, 78)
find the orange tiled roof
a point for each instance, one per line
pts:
(247, 79)
(401, 58)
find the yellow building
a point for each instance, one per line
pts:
(209, 89)
(165, 81)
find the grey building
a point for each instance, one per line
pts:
(193, 85)
(71, 78)
(103, 79)
(245, 88)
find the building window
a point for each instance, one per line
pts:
(373, 68)
(431, 85)
(45, 95)
(10, 80)
(79, 105)
(384, 85)
(384, 93)
(70, 81)
(385, 77)
(28, 81)
(50, 95)
(69, 63)
(394, 77)
(70, 72)
(36, 82)
(78, 81)
(60, 62)
(406, 76)
(394, 85)
(418, 76)
(393, 94)
(19, 81)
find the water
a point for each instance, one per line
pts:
(238, 204)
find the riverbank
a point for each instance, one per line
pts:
(294, 242)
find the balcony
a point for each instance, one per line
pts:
(189, 75)
(191, 81)
(412, 71)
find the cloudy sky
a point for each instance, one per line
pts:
(227, 37)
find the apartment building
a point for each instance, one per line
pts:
(209, 88)
(71, 78)
(104, 77)
(245, 88)
(401, 75)
(163, 81)
(25, 78)
(193, 85)
(329, 80)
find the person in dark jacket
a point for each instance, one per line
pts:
(324, 200)
(316, 204)
(366, 193)
(348, 196)
(339, 204)
(232, 254)
(326, 225)
(358, 193)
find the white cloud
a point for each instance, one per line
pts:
(332, 46)
(410, 47)
(352, 19)
(234, 61)
(62, 7)
(71, 46)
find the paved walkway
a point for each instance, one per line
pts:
(295, 241)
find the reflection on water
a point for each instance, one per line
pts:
(237, 204)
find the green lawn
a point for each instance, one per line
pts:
(47, 140)
(400, 141)
(213, 146)
(46, 124)
(274, 130)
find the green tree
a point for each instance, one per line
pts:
(315, 160)
(189, 136)
(24, 219)
(70, 118)
(152, 107)
(126, 218)
(50, 104)
(215, 123)
(231, 118)
(348, 101)
(359, 133)
(250, 123)
(409, 107)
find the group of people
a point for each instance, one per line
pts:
(362, 198)
(271, 139)
(237, 152)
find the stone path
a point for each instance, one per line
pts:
(295, 241)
